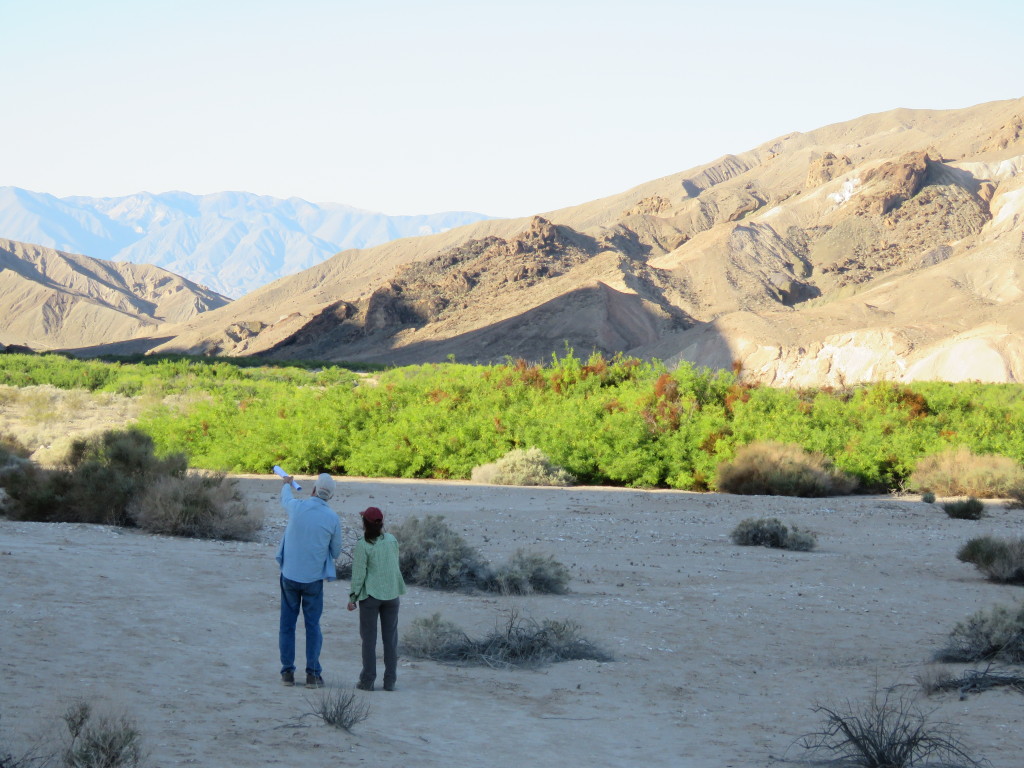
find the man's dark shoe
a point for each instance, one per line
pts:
(314, 681)
(389, 686)
(288, 678)
(364, 686)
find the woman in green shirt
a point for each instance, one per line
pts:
(376, 585)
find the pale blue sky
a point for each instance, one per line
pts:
(504, 108)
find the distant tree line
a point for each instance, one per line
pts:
(618, 421)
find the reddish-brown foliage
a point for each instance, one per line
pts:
(437, 395)
(666, 388)
(737, 393)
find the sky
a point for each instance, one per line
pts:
(414, 107)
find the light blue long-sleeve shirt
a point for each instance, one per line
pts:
(311, 541)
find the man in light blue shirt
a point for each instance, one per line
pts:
(306, 555)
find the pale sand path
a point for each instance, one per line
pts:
(721, 650)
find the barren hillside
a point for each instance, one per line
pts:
(888, 246)
(53, 299)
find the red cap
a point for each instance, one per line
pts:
(372, 515)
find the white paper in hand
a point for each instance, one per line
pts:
(281, 473)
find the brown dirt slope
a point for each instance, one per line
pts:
(53, 299)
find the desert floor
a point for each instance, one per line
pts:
(721, 652)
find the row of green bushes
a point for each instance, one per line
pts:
(239, 377)
(617, 422)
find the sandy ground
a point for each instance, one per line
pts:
(721, 652)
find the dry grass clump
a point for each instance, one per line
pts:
(960, 472)
(942, 679)
(527, 572)
(89, 740)
(519, 467)
(197, 506)
(887, 732)
(100, 741)
(997, 633)
(46, 419)
(514, 642)
(435, 638)
(771, 532)
(782, 469)
(1001, 560)
(431, 554)
(340, 708)
(965, 509)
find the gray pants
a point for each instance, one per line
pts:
(387, 610)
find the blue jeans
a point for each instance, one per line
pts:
(309, 597)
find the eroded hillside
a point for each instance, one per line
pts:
(54, 299)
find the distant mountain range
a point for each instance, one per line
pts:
(232, 242)
(886, 247)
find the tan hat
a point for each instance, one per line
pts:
(325, 486)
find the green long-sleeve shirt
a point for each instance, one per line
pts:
(375, 571)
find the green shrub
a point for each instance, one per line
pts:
(965, 509)
(514, 642)
(888, 731)
(980, 551)
(800, 541)
(1001, 560)
(961, 472)
(771, 532)
(519, 467)
(928, 497)
(198, 506)
(99, 479)
(997, 633)
(431, 554)
(781, 469)
(526, 572)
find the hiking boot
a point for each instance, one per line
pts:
(288, 678)
(389, 686)
(364, 686)
(314, 681)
